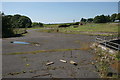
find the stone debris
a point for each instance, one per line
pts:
(92, 63)
(30, 71)
(23, 71)
(37, 45)
(111, 51)
(27, 64)
(63, 61)
(102, 47)
(49, 63)
(72, 62)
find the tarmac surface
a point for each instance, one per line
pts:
(34, 65)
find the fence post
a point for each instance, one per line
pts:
(105, 41)
(71, 54)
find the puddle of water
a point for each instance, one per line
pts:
(19, 42)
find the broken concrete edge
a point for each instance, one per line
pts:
(107, 52)
(103, 48)
(104, 54)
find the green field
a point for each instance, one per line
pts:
(96, 28)
(88, 28)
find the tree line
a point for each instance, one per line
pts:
(97, 19)
(102, 18)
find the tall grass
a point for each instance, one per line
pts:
(92, 27)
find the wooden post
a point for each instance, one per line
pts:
(64, 54)
(71, 53)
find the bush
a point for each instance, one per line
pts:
(12, 22)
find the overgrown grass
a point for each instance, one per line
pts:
(104, 29)
(51, 25)
(92, 27)
(51, 50)
(106, 62)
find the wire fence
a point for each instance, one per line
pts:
(109, 42)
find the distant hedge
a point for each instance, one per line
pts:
(64, 25)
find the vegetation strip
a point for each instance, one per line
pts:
(41, 51)
(106, 29)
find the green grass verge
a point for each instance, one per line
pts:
(52, 50)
